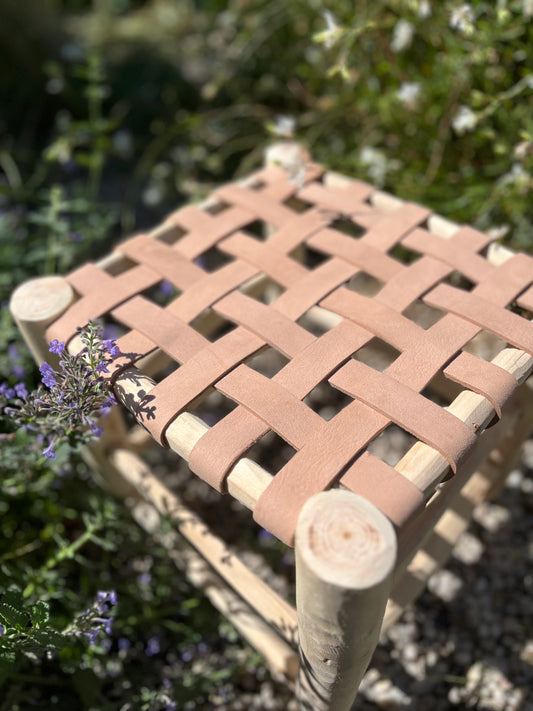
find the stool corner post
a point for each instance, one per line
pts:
(34, 305)
(345, 559)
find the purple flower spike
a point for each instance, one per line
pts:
(112, 597)
(108, 625)
(153, 647)
(112, 348)
(107, 405)
(92, 635)
(49, 452)
(264, 535)
(124, 644)
(188, 654)
(48, 375)
(20, 390)
(19, 371)
(56, 346)
(103, 596)
(1, 630)
(96, 429)
(166, 288)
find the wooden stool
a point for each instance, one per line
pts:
(294, 287)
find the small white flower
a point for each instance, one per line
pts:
(424, 9)
(376, 162)
(464, 120)
(402, 35)
(331, 33)
(462, 19)
(284, 126)
(523, 149)
(517, 176)
(409, 93)
(527, 8)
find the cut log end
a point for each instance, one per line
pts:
(41, 300)
(345, 540)
(34, 305)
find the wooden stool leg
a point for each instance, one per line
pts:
(345, 556)
(34, 305)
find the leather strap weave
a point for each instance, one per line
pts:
(320, 239)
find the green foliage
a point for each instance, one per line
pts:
(25, 630)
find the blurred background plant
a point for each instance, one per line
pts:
(114, 112)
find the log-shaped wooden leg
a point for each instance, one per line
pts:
(34, 305)
(345, 556)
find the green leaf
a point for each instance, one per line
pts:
(7, 657)
(13, 616)
(40, 614)
(48, 638)
(13, 597)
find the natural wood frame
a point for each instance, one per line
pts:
(375, 568)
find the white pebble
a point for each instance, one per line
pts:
(445, 585)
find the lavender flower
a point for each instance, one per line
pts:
(7, 391)
(188, 654)
(48, 375)
(144, 579)
(264, 535)
(18, 370)
(49, 451)
(67, 405)
(107, 405)
(56, 346)
(166, 288)
(103, 597)
(124, 644)
(1, 630)
(153, 647)
(21, 390)
(92, 634)
(96, 618)
(107, 623)
(13, 352)
(111, 347)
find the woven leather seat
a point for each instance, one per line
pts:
(318, 273)
(326, 452)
